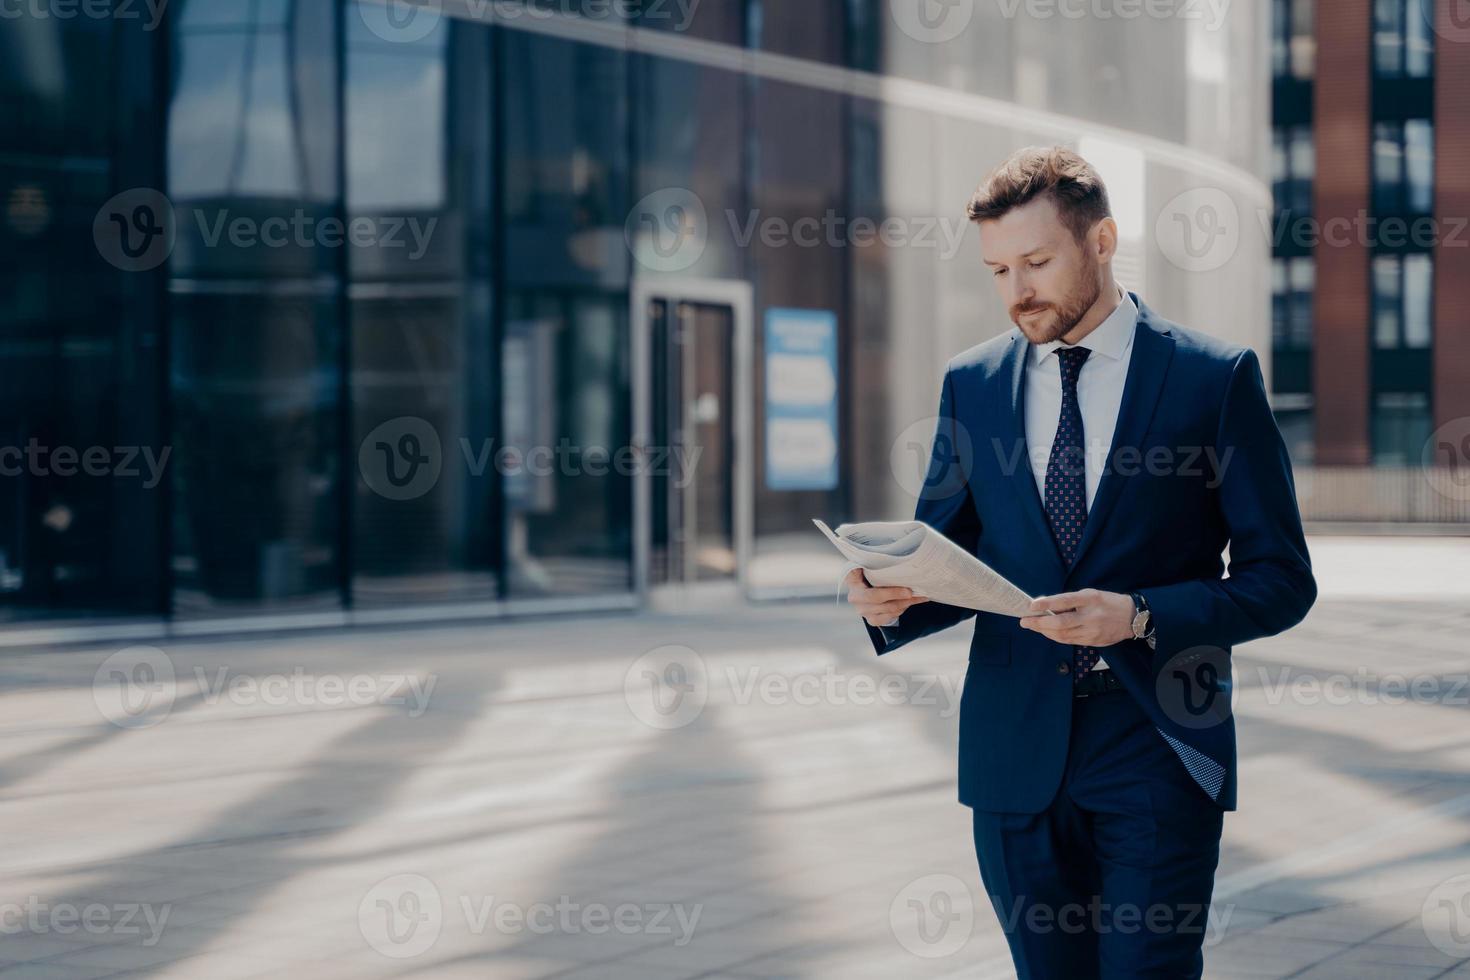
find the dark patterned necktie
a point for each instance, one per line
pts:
(1066, 481)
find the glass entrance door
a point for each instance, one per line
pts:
(691, 451)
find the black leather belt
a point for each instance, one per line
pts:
(1096, 682)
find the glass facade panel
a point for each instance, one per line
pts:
(1388, 36)
(1403, 40)
(1418, 300)
(1388, 167)
(1419, 165)
(567, 487)
(256, 332)
(84, 465)
(1303, 285)
(400, 251)
(1401, 427)
(1387, 300)
(256, 431)
(564, 343)
(425, 511)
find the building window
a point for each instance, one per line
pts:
(1403, 300)
(1419, 165)
(1401, 426)
(1280, 304)
(1303, 276)
(1418, 296)
(1387, 300)
(1293, 159)
(1403, 167)
(1403, 45)
(1293, 43)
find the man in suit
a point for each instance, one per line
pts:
(1102, 458)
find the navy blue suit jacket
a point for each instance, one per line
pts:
(1197, 463)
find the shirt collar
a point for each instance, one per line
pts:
(1111, 338)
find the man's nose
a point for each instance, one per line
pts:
(1021, 292)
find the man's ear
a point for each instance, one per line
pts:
(1103, 240)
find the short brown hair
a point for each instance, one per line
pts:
(1071, 182)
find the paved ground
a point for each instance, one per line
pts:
(514, 801)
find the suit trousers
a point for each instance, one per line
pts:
(1113, 878)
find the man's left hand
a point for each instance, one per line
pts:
(1088, 618)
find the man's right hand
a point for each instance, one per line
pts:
(878, 606)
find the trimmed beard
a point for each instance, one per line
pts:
(1071, 311)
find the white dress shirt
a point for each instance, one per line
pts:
(1099, 396)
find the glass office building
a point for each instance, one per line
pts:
(324, 312)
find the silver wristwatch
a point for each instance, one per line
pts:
(1143, 620)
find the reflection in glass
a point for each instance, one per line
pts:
(1386, 300)
(1418, 299)
(1403, 43)
(256, 337)
(567, 480)
(1419, 165)
(83, 465)
(421, 347)
(1303, 271)
(1388, 167)
(1401, 426)
(255, 442)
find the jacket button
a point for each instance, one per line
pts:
(1064, 668)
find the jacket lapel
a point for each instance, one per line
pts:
(1153, 347)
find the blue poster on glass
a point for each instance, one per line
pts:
(801, 399)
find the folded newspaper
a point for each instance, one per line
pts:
(914, 555)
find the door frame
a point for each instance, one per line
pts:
(739, 296)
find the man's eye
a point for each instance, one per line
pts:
(1038, 265)
(1000, 272)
